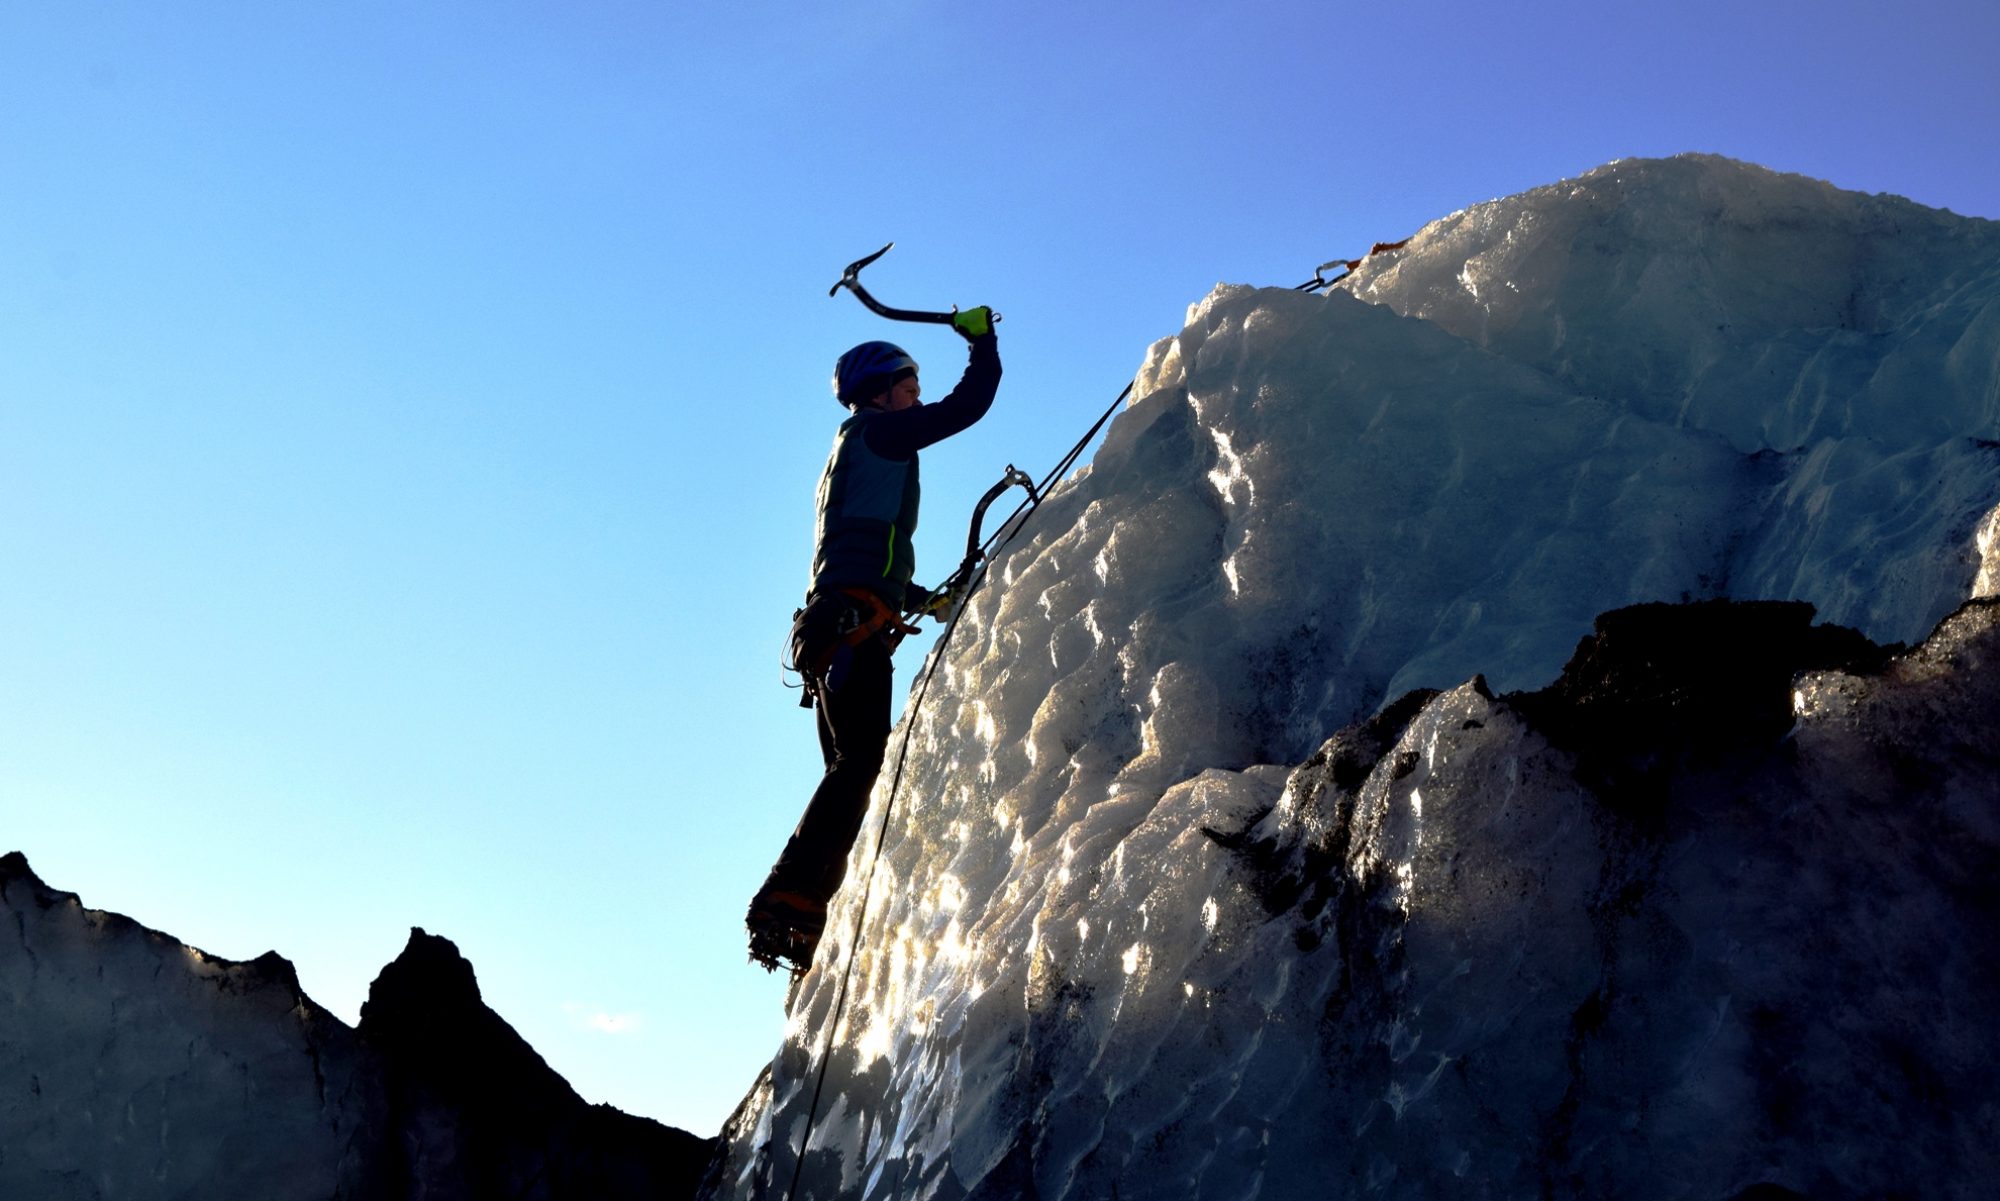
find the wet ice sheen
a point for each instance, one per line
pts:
(1665, 380)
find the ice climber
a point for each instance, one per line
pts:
(853, 617)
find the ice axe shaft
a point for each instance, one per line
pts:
(974, 549)
(851, 280)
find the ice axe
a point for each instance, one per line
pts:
(851, 280)
(959, 583)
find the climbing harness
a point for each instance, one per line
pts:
(881, 617)
(979, 556)
(866, 618)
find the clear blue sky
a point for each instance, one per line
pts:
(409, 412)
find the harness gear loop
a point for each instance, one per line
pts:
(880, 616)
(877, 618)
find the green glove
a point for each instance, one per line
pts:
(938, 605)
(974, 322)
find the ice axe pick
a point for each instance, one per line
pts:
(851, 280)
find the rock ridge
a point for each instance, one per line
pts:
(155, 1070)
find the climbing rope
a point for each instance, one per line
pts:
(1008, 530)
(994, 543)
(868, 888)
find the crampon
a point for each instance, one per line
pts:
(784, 932)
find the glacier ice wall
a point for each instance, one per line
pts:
(1483, 964)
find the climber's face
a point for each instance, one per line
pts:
(903, 396)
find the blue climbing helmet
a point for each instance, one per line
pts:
(868, 369)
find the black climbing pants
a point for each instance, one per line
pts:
(853, 711)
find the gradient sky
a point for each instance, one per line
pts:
(409, 412)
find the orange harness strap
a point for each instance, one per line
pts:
(879, 617)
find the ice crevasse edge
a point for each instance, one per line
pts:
(1666, 380)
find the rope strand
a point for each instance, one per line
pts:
(1009, 528)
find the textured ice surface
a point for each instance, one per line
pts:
(1665, 381)
(1850, 339)
(1988, 582)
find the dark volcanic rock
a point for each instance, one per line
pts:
(1722, 897)
(134, 1066)
(1659, 681)
(478, 1112)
